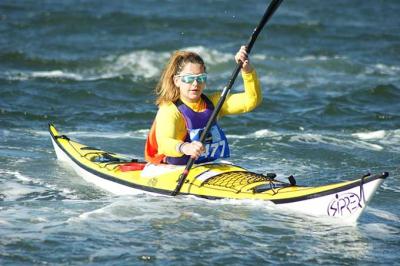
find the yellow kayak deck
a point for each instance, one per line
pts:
(211, 181)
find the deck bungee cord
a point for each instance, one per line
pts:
(104, 159)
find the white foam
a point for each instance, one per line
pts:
(262, 133)
(386, 186)
(283, 81)
(37, 220)
(86, 215)
(149, 64)
(383, 69)
(109, 211)
(16, 190)
(260, 57)
(370, 135)
(320, 139)
(384, 214)
(143, 63)
(389, 138)
(136, 64)
(366, 145)
(53, 74)
(13, 190)
(381, 231)
(210, 56)
(4, 222)
(318, 58)
(17, 175)
(56, 74)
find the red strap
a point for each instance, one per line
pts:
(131, 167)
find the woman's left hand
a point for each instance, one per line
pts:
(242, 56)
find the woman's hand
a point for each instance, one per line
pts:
(194, 149)
(242, 56)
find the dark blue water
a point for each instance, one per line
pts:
(330, 74)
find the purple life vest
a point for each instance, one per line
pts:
(216, 143)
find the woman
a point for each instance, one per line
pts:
(184, 111)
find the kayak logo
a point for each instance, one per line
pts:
(344, 204)
(152, 182)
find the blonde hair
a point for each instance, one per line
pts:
(166, 90)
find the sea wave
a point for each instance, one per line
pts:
(391, 187)
(263, 133)
(388, 138)
(383, 214)
(53, 74)
(22, 186)
(376, 140)
(383, 69)
(312, 138)
(136, 134)
(137, 64)
(381, 231)
(379, 134)
(319, 58)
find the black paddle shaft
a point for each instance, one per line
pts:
(273, 6)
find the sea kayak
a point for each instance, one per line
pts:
(344, 201)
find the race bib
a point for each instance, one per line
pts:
(216, 144)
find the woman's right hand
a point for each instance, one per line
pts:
(194, 149)
(242, 56)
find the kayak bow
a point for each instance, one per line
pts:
(343, 201)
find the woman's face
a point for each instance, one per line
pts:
(191, 82)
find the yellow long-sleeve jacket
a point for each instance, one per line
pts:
(169, 126)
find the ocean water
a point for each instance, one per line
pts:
(330, 75)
